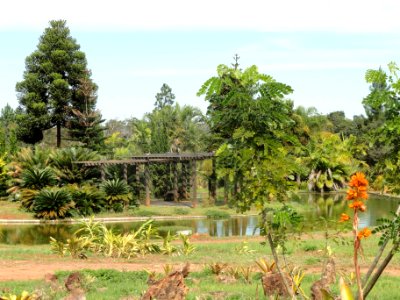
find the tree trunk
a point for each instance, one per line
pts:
(213, 183)
(58, 135)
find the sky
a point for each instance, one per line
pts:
(321, 48)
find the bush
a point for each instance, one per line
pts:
(217, 214)
(35, 178)
(62, 160)
(88, 199)
(117, 193)
(53, 203)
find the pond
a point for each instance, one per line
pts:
(328, 206)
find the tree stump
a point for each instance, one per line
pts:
(321, 287)
(172, 287)
(273, 284)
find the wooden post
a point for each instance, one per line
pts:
(102, 172)
(213, 183)
(175, 167)
(125, 172)
(137, 180)
(185, 178)
(194, 183)
(147, 183)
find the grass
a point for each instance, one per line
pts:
(11, 210)
(306, 252)
(217, 214)
(111, 284)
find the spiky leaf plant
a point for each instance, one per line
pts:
(35, 178)
(88, 199)
(63, 162)
(117, 193)
(53, 203)
(27, 197)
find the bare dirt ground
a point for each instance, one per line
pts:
(31, 270)
(35, 270)
(36, 267)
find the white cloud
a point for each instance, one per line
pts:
(262, 15)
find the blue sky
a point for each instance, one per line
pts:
(320, 48)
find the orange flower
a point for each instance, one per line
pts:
(364, 233)
(363, 208)
(344, 218)
(355, 193)
(358, 179)
(351, 194)
(358, 205)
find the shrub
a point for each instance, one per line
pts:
(88, 199)
(53, 203)
(3, 177)
(63, 160)
(117, 193)
(35, 178)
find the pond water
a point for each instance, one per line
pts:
(320, 206)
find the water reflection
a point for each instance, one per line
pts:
(328, 206)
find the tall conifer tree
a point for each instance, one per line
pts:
(54, 90)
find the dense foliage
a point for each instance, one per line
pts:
(57, 91)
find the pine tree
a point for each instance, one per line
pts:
(51, 90)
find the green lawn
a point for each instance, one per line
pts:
(111, 284)
(305, 253)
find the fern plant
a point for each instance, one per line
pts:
(390, 230)
(53, 203)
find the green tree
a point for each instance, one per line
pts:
(52, 86)
(249, 119)
(85, 124)
(382, 107)
(8, 136)
(340, 124)
(164, 97)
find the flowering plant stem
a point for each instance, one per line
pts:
(369, 284)
(355, 258)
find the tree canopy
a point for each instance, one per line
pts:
(56, 86)
(250, 118)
